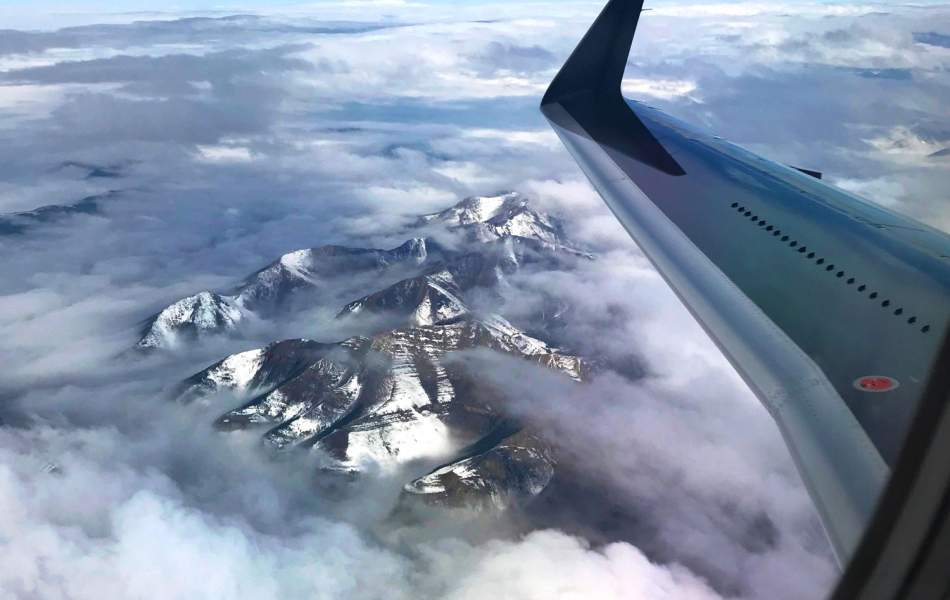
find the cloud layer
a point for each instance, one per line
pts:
(215, 145)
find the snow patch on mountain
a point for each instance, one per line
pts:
(407, 392)
(390, 442)
(273, 407)
(434, 482)
(506, 215)
(192, 317)
(477, 209)
(513, 471)
(236, 372)
(307, 405)
(425, 300)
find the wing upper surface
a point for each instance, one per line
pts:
(832, 308)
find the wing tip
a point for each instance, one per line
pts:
(599, 60)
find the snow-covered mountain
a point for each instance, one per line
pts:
(388, 400)
(191, 317)
(503, 233)
(393, 400)
(502, 216)
(265, 292)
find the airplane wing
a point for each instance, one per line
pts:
(834, 310)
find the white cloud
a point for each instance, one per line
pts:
(294, 139)
(667, 89)
(544, 137)
(95, 526)
(903, 145)
(469, 173)
(227, 154)
(886, 192)
(755, 9)
(550, 564)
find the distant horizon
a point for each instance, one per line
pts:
(54, 14)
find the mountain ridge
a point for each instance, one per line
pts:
(510, 235)
(389, 400)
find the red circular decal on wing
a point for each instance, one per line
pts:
(876, 383)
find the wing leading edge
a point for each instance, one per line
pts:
(832, 309)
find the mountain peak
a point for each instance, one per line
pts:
(508, 214)
(189, 318)
(415, 248)
(424, 300)
(476, 209)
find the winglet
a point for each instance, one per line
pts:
(585, 95)
(598, 62)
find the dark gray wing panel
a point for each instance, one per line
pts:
(595, 66)
(833, 309)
